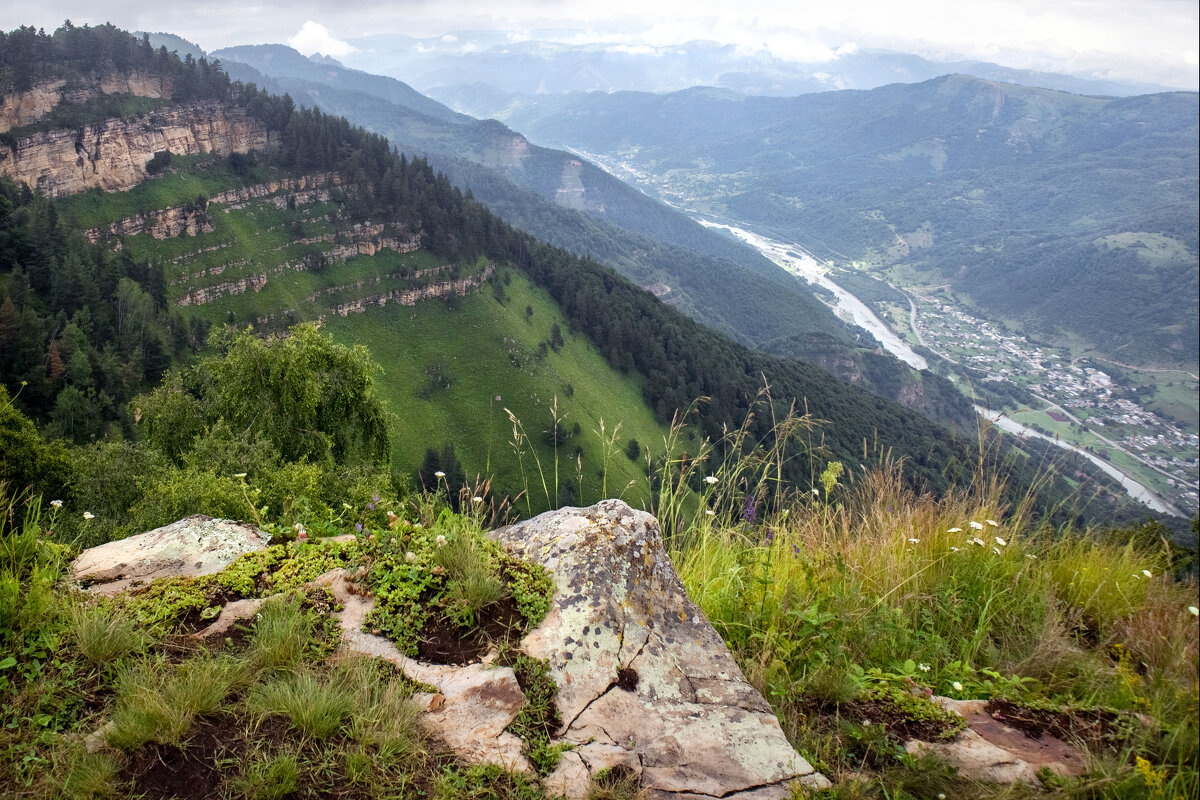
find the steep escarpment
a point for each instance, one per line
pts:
(18, 109)
(112, 155)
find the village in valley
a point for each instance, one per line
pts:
(1144, 422)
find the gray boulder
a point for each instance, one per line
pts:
(644, 680)
(196, 545)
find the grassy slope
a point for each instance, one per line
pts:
(476, 342)
(488, 349)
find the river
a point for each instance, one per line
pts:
(799, 262)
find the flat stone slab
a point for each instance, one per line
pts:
(644, 679)
(196, 545)
(989, 750)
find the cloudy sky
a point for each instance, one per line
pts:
(1153, 41)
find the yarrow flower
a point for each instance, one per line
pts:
(476, 499)
(439, 474)
(1031, 556)
(954, 549)
(911, 540)
(816, 492)
(1195, 612)
(923, 667)
(958, 687)
(976, 525)
(239, 474)
(1146, 572)
(1000, 541)
(56, 503)
(992, 522)
(711, 479)
(440, 540)
(410, 556)
(88, 515)
(954, 530)
(996, 550)
(977, 541)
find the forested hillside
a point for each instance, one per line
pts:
(566, 201)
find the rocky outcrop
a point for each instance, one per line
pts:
(645, 682)
(112, 155)
(25, 108)
(989, 750)
(410, 297)
(192, 219)
(197, 545)
(296, 191)
(186, 220)
(361, 244)
(571, 192)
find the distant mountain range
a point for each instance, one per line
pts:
(461, 67)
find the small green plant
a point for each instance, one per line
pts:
(473, 579)
(316, 707)
(615, 783)
(539, 717)
(105, 634)
(270, 780)
(283, 635)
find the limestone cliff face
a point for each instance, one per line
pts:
(28, 107)
(112, 155)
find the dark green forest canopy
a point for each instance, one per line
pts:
(63, 332)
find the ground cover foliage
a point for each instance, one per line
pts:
(845, 604)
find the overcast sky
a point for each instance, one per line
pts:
(1154, 41)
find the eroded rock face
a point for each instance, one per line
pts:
(113, 155)
(644, 680)
(197, 545)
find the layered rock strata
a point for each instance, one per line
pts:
(112, 155)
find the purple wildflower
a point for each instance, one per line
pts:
(374, 498)
(371, 506)
(358, 526)
(750, 510)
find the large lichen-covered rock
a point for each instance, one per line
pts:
(645, 682)
(196, 545)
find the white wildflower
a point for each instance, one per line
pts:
(816, 492)
(992, 522)
(476, 499)
(1031, 556)
(1146, 572)
(976, 525)
(996, 550)
(923, 667)
(440, 541)
(911, 540)
(954, 530)
(953, 549)
(958, 687)
(56, 503)
(1195, 612)
(410, 556)
(709, 512)
(439, 474)
(1000, 541)
(977, 541)
(710, 480)
(88, 515)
